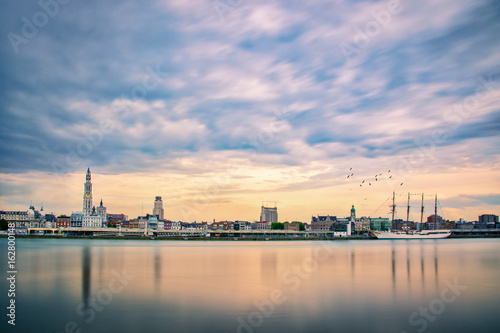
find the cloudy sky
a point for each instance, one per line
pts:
(218, 106)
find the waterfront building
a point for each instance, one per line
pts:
(133, 223)
(158, 208)
(292, 226)
(242, 225)
(195, 226)
(433, 223)
(87, 195)
(152, 222)
(487, 221)
(14, 215)
(172, 225)
(398, 224)
(268, 214)
(161, 225)
(380, 224)
(92, 221)
(50, 221)
(62, 221)
(322, 223)
(114, 219)
(341, 229)
(261, 226)
(223, 225)
(362, 225)
(487, 218)
(464, 226)
(30, 218)
(142, 222)
(75, 219)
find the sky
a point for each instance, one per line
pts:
(220, 106)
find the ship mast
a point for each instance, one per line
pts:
(435, 212)
(422, 213)
(393, 207)
(408, 212)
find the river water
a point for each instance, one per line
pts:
(68, 285)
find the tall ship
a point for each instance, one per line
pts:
(406, 233)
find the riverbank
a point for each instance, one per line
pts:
(244, 239)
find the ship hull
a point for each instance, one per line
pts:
(416, 235)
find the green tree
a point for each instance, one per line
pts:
(302, 227)
(4, 225)
(277, 226)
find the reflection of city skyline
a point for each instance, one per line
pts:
(240, 274)
(86, 275)
(412, 259)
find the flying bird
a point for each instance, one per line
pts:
(350, 169)
(362, 182)
(401, 184)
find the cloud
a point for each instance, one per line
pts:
(198, 88)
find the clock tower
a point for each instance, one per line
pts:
(87, 195)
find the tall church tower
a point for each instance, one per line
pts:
(87, 195)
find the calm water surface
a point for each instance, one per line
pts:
(195, 286)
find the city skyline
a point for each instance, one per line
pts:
(269, 214)
(305, 104)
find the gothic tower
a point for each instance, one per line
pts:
(87, 195)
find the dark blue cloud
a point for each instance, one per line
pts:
(91, 54)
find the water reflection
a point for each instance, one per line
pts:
(353, 261)
(436, 265)
(408, 273)
(86, 275)
(422, 266)
(393, 266)
(268, 266)
(206, 286)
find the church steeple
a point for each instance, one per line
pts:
(87, 195)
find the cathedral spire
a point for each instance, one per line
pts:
(87, 195)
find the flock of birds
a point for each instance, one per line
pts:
(369, 181)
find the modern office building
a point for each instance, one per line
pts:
(487, 218)
(158, 208)
(268, 214)
(380, 224)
